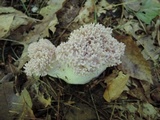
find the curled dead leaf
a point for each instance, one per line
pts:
(115, 87)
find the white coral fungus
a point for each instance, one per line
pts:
(42, 56)
(88, 52)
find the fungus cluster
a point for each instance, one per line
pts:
(42, 56)
(87, 53)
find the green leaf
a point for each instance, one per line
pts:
(149, 10)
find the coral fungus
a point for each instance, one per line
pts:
(42, 56)
(87, 53)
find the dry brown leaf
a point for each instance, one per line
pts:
(115, 87)
(67, 14)
(133, 62)
(6, 95)
(12, 105)
(155, 94)
(150, 51)
(138, 93)
(80, 112)
(90, 8)
(139, 89)
(146, 87)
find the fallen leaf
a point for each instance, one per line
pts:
(80, 112)
(115, 87)
(67, 14)
(155, 94)
(111, 76)
(101, 7)
(5, 10)
(133, 62)
(150, 51)
(12, 105)
(86, 12)
(43, 101)
(147, 89)
(131, 108)
(6, 93)
(14, 19)
(138, 93)
(7, 77)
(52, 7)
(148, 111)
(40, 96)
(18, 21)
(5, 26)
(130, 27)
(156, 32)
(145, 10)
(149, 10)
(144, 110)
(134, 5)
(22, 106)
(43, 28)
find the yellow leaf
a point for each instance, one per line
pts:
(45, 102)
(115, 87)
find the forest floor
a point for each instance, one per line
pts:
(129, 91)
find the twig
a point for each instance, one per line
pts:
(4, 39)
(112, 112)
(98, 118)
(25, 8)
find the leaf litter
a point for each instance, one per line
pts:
(128, 91)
